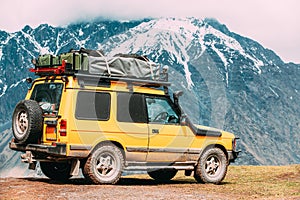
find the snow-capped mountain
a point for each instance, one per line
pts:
(230, 81)
(238, 84)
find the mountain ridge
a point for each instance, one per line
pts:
(230, 81)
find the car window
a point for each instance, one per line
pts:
(93, 106)
(131, 108)
(160, 110)
(48, 96)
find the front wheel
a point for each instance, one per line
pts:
(104, 165)
(211, 167)
(59, 171)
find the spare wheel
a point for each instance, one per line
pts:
(27, 122)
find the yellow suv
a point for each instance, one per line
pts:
(73, 118)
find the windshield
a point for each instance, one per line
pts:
(48, 96)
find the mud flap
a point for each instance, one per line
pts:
(75, 168)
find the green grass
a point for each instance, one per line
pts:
(265, 181)
(248, 182)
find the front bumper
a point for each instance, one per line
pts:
(58, 149)
(232, 155)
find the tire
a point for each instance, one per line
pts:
(27, 122)
(162, 175)
(59, 171)
(104, 165)
(211, 167)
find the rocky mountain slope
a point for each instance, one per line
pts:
(230, 81)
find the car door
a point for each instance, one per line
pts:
(168, 140)
(132, 123)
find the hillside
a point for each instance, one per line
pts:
(242, 182)
(229, 81)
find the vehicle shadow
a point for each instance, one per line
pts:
(124, 181)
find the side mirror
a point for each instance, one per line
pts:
(176, 95)
(183, 120)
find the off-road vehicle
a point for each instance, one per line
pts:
(107, 116)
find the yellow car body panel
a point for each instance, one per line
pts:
(151, 142)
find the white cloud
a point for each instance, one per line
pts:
(274, 24)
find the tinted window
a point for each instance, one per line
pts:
(131, 108)
(93, 106)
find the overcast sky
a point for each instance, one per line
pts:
(273, 23)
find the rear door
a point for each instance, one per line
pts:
(132, 123)
(48, 95)
(92, 119)
(111, 116)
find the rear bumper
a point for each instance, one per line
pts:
(58, 150)
(232, 155)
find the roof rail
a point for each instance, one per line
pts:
(93, 77)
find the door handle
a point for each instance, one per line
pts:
(155, 131)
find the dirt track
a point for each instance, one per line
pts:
(240, 183)
(128, 188)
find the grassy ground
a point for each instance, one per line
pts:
(253, 182)
(241, 182)
(264, 181)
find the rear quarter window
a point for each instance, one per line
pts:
(93, 106)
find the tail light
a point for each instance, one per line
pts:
(63, 127)
(51, 130)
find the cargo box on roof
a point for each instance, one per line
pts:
(123, 67)
(94, 62)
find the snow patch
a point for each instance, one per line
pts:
(3, 90)
(57, 42)
(41, 50)
(80, 32)
(230, 44)
(5, 87)
(174, 35)
(4, 43)
(16, 84)
(148, 37)
(1, 53)
(275, 93)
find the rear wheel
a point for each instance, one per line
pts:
(104, 165)
(211, 167)
(162, 175)
(59, 171)
(27, 122)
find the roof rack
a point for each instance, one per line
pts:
(93, 66)
(83, 75)
(92, 77)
